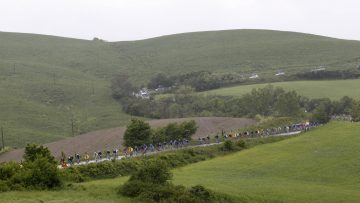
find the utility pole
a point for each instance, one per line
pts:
(54, 78)
(72, 127)
(2, 138)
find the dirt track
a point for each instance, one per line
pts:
(112, 138)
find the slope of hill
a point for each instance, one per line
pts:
(333, 89)
(261, 51)
(319, 166)
(47, 83)
(109, 139)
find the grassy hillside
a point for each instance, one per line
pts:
(46, 81)
(333, 89)
(100, 191)
(319, 166)
(245, 51)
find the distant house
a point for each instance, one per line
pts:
(254, 76)
(160, 88)
(143, 94)
(321, 68)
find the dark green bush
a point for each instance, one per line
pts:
(72, 174)
(154, 171)
(240, 143)
(4, 186)
(40, 174)
(159, 193)
(200, 192)
(33, 151)
(150, 183)
(39, 171)
(7, 170)
(228, 146)
(134, 188)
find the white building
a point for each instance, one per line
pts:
(254, 76)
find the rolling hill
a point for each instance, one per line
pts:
(49, 84)
(319, 166)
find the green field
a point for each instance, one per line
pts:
(99, 191)
(47, 81)
(333, 89)
(319, 166)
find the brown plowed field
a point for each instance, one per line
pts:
(113, 137)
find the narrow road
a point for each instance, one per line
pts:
(171, 149)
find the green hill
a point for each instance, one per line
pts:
(319, 166)
(333, 89)
(245, 51)
(46, 81)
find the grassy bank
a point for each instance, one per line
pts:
(319, 166)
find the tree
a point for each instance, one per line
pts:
(41, 173)
(187, 129)
(344, 106)
(39, 169)
(355, 111)
(158, 135)
(160, 80)
(121, 86)
(33, 151)
(289, 104)
(322, 113)
(155, 172)
(137, 133)
(263, 100)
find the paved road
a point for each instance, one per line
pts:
(187, 147)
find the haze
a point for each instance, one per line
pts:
(119, 20)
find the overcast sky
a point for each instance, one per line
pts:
(118, 20)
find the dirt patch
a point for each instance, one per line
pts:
(113, 137)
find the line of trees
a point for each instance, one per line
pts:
(199, 80)
(139, 132)
(327, 75)
(267, 101)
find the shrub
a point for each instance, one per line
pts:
(72, 174)
(161, 193)
(33, 151)
(39, 171)
(200, 192)
(7, 170)
(134, 188)
(40, 174)
(155, 172)
(3, 186)
(150, 184)
(228, 145)
(240, 143)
